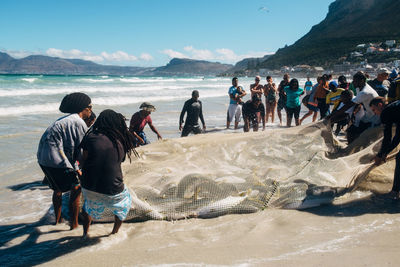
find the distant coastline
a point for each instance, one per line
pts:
(45, 65)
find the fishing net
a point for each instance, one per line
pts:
(206, 176)
(211, 175)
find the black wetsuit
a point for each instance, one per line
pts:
(194, 112)
(282, 95)
(389, 116)
(250, 111)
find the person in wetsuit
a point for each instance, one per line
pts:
(389, 115)
(253, 111)
(194, 110)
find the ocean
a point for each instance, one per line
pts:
(29, 104)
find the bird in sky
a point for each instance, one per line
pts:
(263, 8)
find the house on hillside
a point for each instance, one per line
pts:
(356, 54)
(263, 72)
(285, 69)
(319, 70)
(371, 50)
(390, 43)
(342, 68)
(302, 68)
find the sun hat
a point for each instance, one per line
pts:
(147, 107)
(383, 71)
(75, 103)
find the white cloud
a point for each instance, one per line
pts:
(73, 54)
(118, 56)
(146, 57)
(200, 54)
(221, 54)
(172, 54)
(17, 54)
(103, 57)
(226, 54)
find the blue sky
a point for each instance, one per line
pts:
(151, 32)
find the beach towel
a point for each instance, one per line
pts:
(96, 204)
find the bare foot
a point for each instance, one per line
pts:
(72, 226)
(85, 236)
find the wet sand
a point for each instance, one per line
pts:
(359, 229)
(361, 233)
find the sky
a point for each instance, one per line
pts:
(152, 32)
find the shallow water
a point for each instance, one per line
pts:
(28, 104)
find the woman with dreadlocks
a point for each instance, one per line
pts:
(104, 149)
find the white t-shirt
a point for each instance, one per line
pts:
(364, 97)
(357, 117)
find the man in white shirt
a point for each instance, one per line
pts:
(360, 103)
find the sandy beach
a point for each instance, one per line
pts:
(362, 232)
(358, 228)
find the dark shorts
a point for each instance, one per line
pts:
(312, 108)
(251, 117)
(187, 129)
(281, 104)
(353, 132)
(60, 179)
(293, 111)
(144, 137)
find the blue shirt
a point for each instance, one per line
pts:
(308, 86)
(232, 91)
(293, 99)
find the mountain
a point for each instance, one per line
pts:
(37, 64)
(243, 65)
(347, 24)
(183, 66)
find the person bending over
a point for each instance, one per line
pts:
(389, 115)
(105, 147)
(139, 121)
(58, 153)
(194, 110)
(344, 119)
(311, 103)
(253, 112)
(361, 105)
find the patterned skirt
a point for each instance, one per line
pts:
(96, 203)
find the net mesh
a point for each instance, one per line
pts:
(206, 176)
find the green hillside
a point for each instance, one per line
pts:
(347, 24)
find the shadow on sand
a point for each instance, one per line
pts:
(31, 186)
(374, 204)
(33, 252)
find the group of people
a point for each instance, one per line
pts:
(326, 97)
(82, 153)
(356, 106)
(286, 97)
